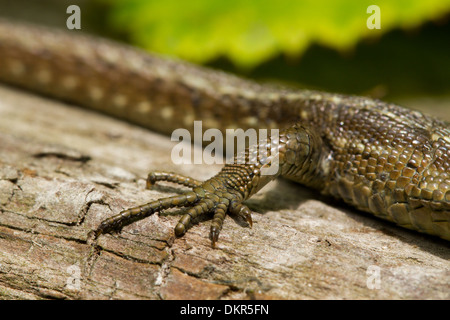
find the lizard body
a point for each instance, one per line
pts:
(376, 156)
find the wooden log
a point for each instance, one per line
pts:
(65, 169)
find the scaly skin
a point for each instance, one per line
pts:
(378, 157)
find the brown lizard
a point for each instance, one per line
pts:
(379, 157)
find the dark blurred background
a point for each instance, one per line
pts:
(410, 66)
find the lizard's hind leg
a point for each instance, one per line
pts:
(215, 196)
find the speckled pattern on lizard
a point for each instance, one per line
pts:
(378, 157)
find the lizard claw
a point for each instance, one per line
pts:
(242, 211)
(212, 196)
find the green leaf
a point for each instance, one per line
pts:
(249, 32)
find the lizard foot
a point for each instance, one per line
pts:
(215, 195)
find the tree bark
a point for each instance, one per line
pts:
(64, 169)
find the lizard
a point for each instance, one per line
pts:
(379, 157)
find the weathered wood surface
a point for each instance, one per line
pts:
(64, 169)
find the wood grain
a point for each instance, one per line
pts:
(64, 169)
